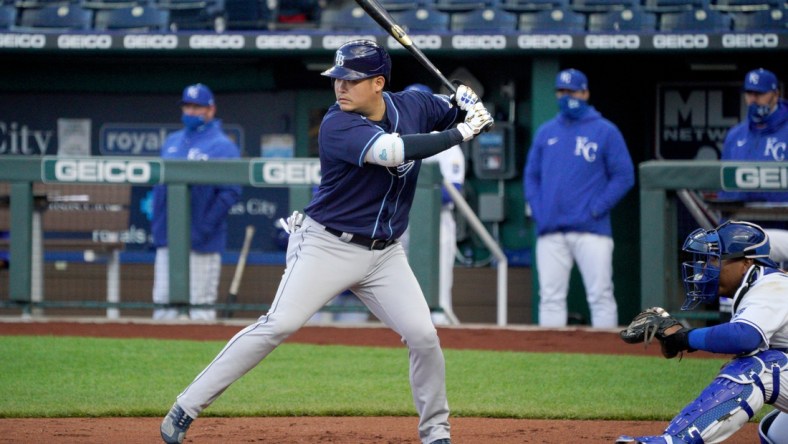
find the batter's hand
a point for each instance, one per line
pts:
(465, 98)
(477, 120)
(293, 222)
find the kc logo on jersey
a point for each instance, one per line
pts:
(775, 149)
(586, 149)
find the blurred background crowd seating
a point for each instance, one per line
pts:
(418, 16)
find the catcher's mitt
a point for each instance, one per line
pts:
(648, 324)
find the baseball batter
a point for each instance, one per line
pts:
(732, 260)
(371, 142)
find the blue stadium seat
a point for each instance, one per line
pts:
(532, 5)
(759, 21)
(132, 19)
(248, 14)
(404, 5)
(112, 4)
(557, 20)
(348, 17)
(484, 20)
(55, 18)
(746, 5)
(37, 4)
(463, 5)
(195, 14)
(699, 20)
(7, 16)
(422, 19)
(603, 5)
(623, 20)
(660, 6)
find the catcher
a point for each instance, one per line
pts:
(731, 260)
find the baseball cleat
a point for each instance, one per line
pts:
(661, 439)
(442, 441)
(175, 425)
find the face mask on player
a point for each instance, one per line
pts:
(192, 122)
(572, 108)
(757, 113)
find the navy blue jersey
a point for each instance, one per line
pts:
(367, 199)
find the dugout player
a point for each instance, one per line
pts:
(201, 139)
(762, 137)
(733, 260)
(578, 168)
(371, 145)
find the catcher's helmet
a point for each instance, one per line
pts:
(731, 240)
(360, 59)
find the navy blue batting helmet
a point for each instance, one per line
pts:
(360, 59)
(731, 240)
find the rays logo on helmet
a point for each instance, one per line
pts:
(340, 59)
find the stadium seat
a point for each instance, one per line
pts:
(699, 20)
(484, 20)
(7, 16)
(422, 19)
(297, 13)
(55, 18)
(745, 5)
(132, 19)
(37, 4)
(603, 5)
(556, 20)
(195, 14)
(404, 5)
(248, 14)
(759, 21)
(348, 17)
(532, 5)
(624, 20)
(463, 5)
(660, 6)
(112, 4)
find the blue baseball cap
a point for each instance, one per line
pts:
(760, 80)
(572, 80)
(197, 94)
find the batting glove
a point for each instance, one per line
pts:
(477, 120)
(465, 98)
(293, 222)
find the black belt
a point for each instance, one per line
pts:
(366, 242)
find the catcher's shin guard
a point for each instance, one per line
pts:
(720, 410)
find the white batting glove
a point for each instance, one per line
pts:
(477, 120)
(293, 222)
(465, 98)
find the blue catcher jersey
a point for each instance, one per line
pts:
(367, 199)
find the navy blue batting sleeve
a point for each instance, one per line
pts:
(731, 338)
(421, 146)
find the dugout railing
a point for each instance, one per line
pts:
(22, 178)
(660, 181)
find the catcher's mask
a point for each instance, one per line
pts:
(731, 240)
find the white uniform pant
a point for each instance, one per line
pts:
(205, 269)
(320, 266)
(593, 253)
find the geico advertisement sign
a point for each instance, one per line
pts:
(87, 170)
(285, 172)
(749, 178)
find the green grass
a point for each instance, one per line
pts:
(67, 377)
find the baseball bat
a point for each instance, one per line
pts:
(232, 296)
(384, 19)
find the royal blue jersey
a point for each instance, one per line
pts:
(209, 203)
(367, 199)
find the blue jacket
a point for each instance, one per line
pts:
(209, 203)
(763, 143)
(576, 171)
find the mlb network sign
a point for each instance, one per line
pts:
(91, 170)
(284, 172)
(755, 178)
